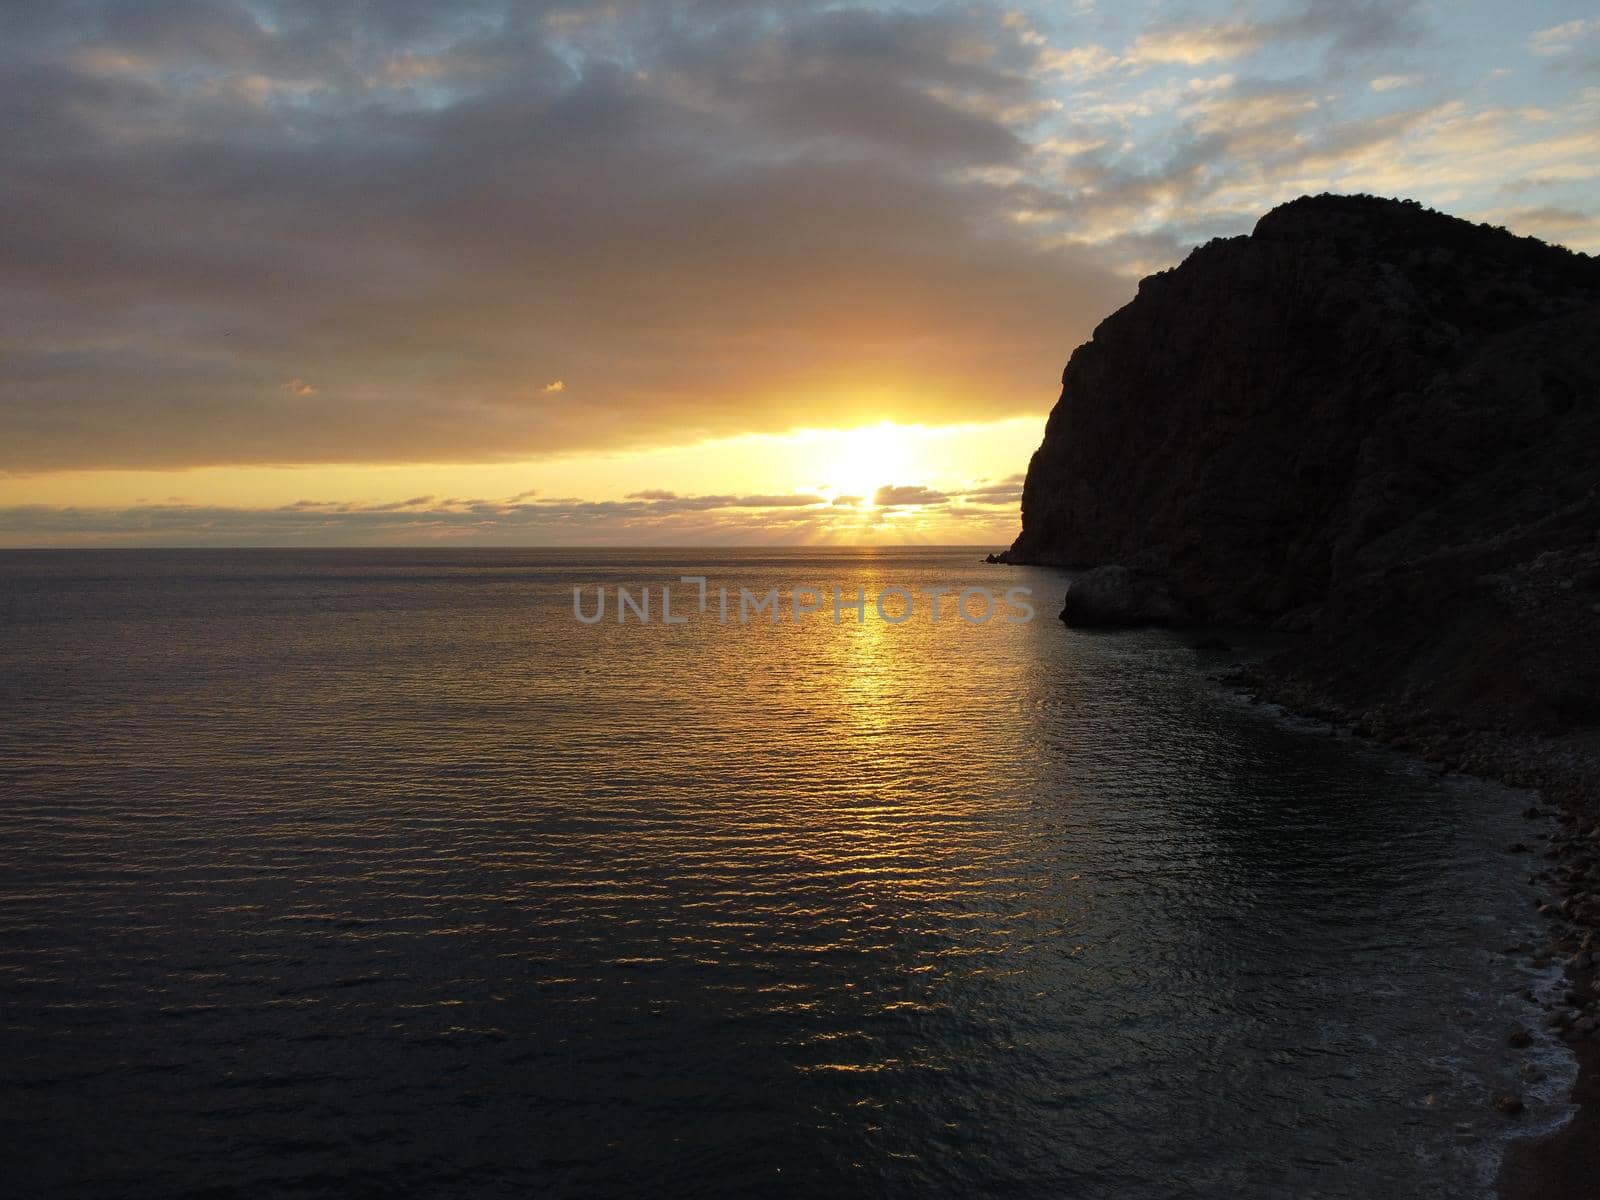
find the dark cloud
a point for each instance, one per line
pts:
(703, 219)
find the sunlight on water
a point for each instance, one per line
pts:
(344, 870)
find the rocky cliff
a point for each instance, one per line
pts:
(1366, 420)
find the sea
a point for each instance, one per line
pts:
(332, 873)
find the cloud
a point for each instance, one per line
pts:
(799, 500)
(648, 518)
(1567, 226)
(1562, 39)
(1194, 45)
(893, 496)
(1340, 27)
(1079, 62)
(1005, 494)
(708, 210)
(1390, 83)
(1356, 28)
(720, 218)
(1245, 143)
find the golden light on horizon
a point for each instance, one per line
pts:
(871, 457)
(806, 484)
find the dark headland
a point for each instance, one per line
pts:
(1376, 426)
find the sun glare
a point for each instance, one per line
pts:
(869, 458)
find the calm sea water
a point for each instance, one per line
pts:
(373, 872)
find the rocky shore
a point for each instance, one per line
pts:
(1564, 866)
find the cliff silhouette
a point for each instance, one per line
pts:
(1367, 421)
(1377, 426)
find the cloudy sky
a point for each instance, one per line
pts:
(551, 273)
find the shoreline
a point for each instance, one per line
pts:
(1563, 1164)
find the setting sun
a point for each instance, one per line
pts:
(869, 458)
(955, 484)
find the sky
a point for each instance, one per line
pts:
(693, 273)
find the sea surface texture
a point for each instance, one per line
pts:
(343, 873)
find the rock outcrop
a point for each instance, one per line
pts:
(1114, 596)
(1366, 420)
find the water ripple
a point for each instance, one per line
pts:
(333, 873)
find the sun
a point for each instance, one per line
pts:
(868, 458)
